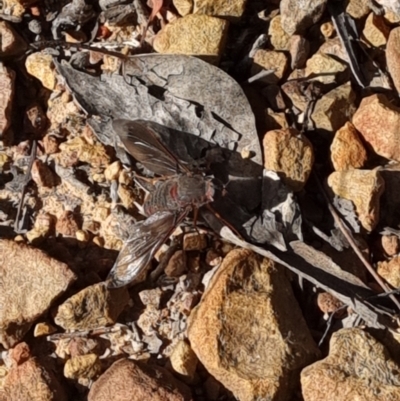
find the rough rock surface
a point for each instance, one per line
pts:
(126, 380)
(357, 368)
(248, 330)
(378, 121)
(290, 154)
(193, 34)
(30, 281)
(347, 150)
(95, 306)
(393, 56)
(28, 380)
(363, 188)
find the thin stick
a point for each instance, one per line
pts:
(353, 244)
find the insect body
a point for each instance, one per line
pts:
(169, 202)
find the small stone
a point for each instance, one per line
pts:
(247, 291)
(297, 16)
(393, 56)
(82, 235)
(378, 121)
(43, 329)
(271, 61)
(82, 366)
(299, 49)
(184, 361)
(127, 196)
(278, 37)
(50, 144)
(98, 241)
(42, 175)
(230, 10)
(290, 154)
(333, 109)
(176, 265)
(10, 42)
(358, 8)
(327, 29)
(29, 380)
(184, 7)
(4, 160)
(194, 241)
(151, 297)
(93, 307)
(342, 373)
(274, 120)
(390, 271)
(7, 79)
(328, 304)
(67, 224)
(112, 171)
(363, 188)
(30, 281)
(390, 244)
(213, 258)
(192, 34)
(376, 32)
(41, 66)
(132, 380)
(326, 69)
(347, 150)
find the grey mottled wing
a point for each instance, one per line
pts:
(137, 252)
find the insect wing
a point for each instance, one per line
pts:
(143, 143)
(139, 249)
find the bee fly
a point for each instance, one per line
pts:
(172, 198)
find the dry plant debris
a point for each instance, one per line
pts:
(289, 111)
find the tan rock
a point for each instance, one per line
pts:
(376, 32)
(293, 90)
(43, 329)
(269, 60)
(339, 377)
(328, 29)
(112, 171)
(333, 47)
(28, 380)
(328, 303)
(129, 380)
(297, 16)
(29, 281)
(50, 144)
(275, 120)
(184, 7)
(35, 119)
(278, 37)
(290, 154)
(347, 150)
(326, 69)
(334, 108)
(390, 244)
(390, 271)
(67, 224)
(79, 147)
(184, 361)
(176, 265)
(7, 79)
(13, 8)
(41, 66)
(82, 366)
(358, 8)
(393, 56)
(127, 196)
(10, 42)
(299, 48)
(363, 188)
(194, 241)
(193, 34)
(240, 329)
(95, 306)
(42, 175)
(231, 10)
(378, 121)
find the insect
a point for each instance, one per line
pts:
(172, 198)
